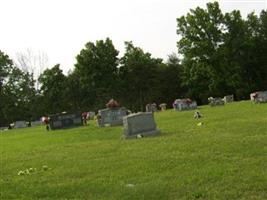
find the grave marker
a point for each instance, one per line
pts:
(184, 104)
(139, 124)
(111, 116)
(65, 120)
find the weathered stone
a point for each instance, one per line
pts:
(184, 104)
(163, 106)
(216, 101)
(36, 123)
(91, 115)
(111, 116)
(20, 124)
(151, 107)
(228, 98)
(139, 124)
(65, 120)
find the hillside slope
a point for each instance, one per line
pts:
(225, 158)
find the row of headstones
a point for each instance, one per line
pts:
(134, 124)
(152, 107)
(216, 101)
(188, 104)
(139, 124)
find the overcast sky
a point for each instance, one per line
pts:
(60, 28)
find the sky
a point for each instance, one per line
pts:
(61, 28)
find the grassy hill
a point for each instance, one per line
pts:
(225, 158)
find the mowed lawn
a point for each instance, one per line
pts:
(225, 158)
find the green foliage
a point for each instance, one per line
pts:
(225, 158)
(17, 93)
(222, 53)
(96, 68)
(53, 83)
(139, 76)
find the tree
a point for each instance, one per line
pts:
(202, 35)
(171, 80)
(139, 77)
(32, 62)
(6, 65)
(222, 53)
(96, 68)
(53, 84)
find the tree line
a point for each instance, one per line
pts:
(219, 54)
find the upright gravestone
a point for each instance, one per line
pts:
(20, 124)
(91, 115)
(65, 120)
(216, 101)
(139, 124)
(259, 97)
(151, 107)
(228, 98)
(111, 116)
(36, 123)
(163, 106)
(184, 104)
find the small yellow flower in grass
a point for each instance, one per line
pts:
(200, 124)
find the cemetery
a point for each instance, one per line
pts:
(108, 120)
(187, 151)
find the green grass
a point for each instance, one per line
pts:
(225, 158)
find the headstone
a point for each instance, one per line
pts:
(65, 120)
(184, 104)
(216, 101)
(111, 116)
(163, 106)
(259, 97)
(151, 107)
(20, 124)
(91, 115)
(36, 123)
(228, 98)
(139, 124)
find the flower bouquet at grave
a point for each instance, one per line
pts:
(112, 104)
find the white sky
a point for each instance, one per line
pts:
(60, 28)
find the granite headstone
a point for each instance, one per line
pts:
(216, 101)
(111, 116)
(228, 98)
(20, 124)
(65, 120)
(141, 123)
